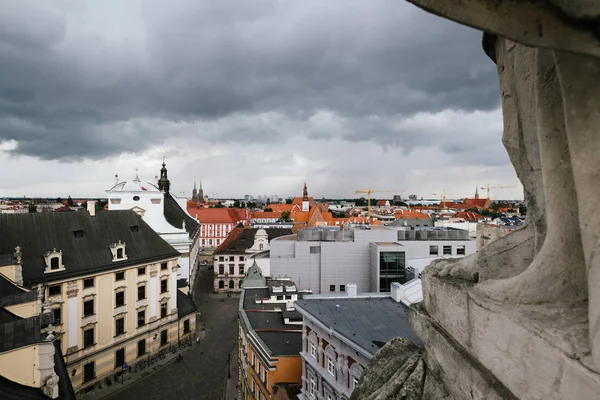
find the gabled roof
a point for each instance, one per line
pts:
(185, 305)
(175, 216)
(37, 233)
(241, 239)
(469, 216)
(216, 215)
(254, 278)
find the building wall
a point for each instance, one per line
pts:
(25, 310)
(73, 324)
(226, 262)
(18, 365)
(349, 363)
(213, 234)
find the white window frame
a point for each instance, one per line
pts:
(313, 350)
(313, 386)
(330, 366)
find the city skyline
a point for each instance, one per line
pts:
(113, 86)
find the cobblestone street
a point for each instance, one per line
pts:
(203, 371)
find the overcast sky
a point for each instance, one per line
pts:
(250, 97)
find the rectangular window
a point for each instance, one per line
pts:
(142, 271)
(241, 268)
(141, 348)
(313, 351)
(141, 292)
(88, 338)
(330, 366)
(447, 250)
(231, 269)
(231, 258)
(119, 358)
(164, 337)
(164, 285)
(313, 386)
(280, 297)
(332, 288)
(392, 268)
(460, 250)
(88, 283)
(342, 288)
(54, 290)
(119, 276)
(163, 310)
(119, 326)
(163, 266)
(141, 318)
(57, 316)
(315, 249)
(89, 372)
(221, 258)
(288, 297)
(119, 299)
(119, 253)
(88, 307)
(186, 326)
(54, 263)
(433, 250)
(221, 269)
(241, 258)
(354, 382)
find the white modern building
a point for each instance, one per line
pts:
(166, 215)
(341, 334)
(325, 259)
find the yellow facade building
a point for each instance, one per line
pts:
(108, 280)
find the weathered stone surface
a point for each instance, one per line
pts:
(397, 372)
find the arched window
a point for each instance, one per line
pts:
(221, 284)
(54, 263)
(231, 284)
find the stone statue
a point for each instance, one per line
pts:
(50, 385)
(548, 59)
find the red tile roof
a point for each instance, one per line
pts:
(216, 215)
(469, 216)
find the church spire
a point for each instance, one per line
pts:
(476, 192)
(305, 203)
(305, 192)
(163, 182)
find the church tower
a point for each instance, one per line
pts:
(201, 193)
(476, 192)
(163, 182)
(195, 193)
(305, 205)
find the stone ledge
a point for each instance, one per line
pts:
(455, 370)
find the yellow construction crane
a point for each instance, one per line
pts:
(488, 188)
(369, 191)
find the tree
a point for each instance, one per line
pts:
(288, 201)
(285, 216)
(59, 200)
(251, 204)
(360, 202)
(70, 201)
(400, 203)
(32, 208)
(268, 209)
(236, 204)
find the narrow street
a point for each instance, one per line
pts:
(203, 371)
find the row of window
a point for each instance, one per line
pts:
(231, 269)
(230, 258)
(119, 276)
(222, 284)
(89, 369)
(447, 250)
(332, 288)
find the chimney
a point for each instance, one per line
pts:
(397, 292)
(351, 289)
(91, 207)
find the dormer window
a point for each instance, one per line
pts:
(54, 262)
(118, 251)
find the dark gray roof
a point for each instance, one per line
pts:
(368, 322)
(7, 259)
(175, 216)
(254, 277)
(65, 387)
(23, 332)
(250, 296)
(11, 294)
(7, 316)
(245, 240)
(271, 320)
(38, 233)
(283, 343)
(185, 305)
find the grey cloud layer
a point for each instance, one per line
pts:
(70, 92)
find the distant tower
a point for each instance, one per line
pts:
(163, 182)
(201, 193)
(305, 206)
(476, 192)
(195, 193)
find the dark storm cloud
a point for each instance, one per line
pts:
(70, 93)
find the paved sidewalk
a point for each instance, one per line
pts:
(104, 389)
(232, 382)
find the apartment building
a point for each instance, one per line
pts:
(216, 223)
(269, 338)
(108, 280)
(232, 257)
(325, 259)
(342, 333)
